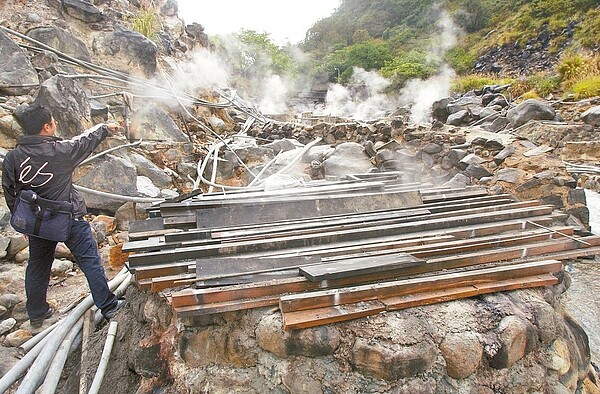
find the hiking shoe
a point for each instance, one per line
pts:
(37, 323)
(111, 313)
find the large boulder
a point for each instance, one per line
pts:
(68, 101)
(530, 110)
(154, 123)
(131, 49)
(111, 175)
(61, 40)
(17, 75)
(347, 158)
(82, 10)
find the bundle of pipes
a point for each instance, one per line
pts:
(45, 354)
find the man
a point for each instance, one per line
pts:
(45, 163)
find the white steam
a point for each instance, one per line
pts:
(273, 96)
(422, 94)
(362, 99)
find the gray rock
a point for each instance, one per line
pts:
(462, 352)
(61, 267)
(391, 361)
(283, 145)
(432, 148)
(68, 102)
(517, 338)
(592, 116)
(147, 361)
(463, 104)
(154, 123)
(456, 118)
(186, 170)
(82, 10)
(576, 196)
(145, 187)
(4, 242)
(497, 124)
(503, 154)
(147, 168)
(458, 180)
(17, 243)
(61, 40)
(530, 110)
(130, 47)
(7, 325)
(347, 158)
(110, 174)
(439, 109)
(476, 171)
(456, 155)
(471, 158)
(510, 175)
(15, 68)
(9, 300)
(530, 184)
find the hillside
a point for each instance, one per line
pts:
(405, 39)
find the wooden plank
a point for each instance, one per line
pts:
(226, 306)
(324, 298)
(358, 266)
(443, 295)
(331, 237)
(320, 316)
(274, 211)
(338, 313)
(220, 267)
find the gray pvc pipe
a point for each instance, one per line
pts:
(110, 339)
(49, 342)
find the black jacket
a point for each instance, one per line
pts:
(46, 164)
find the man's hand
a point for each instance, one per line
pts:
(113, 127)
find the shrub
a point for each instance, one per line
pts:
(587, 87)
(147, 23)
(476, 81)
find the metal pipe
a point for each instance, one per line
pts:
(110, 339)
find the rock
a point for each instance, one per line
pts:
(4, 242)
(61, 267)
(145, 187)
(456, 119)
(576, 196)
(130, 212)
(456, 155)
(510, 175)
(463, 104)
(476, 171)
(22, 256)
(7, 325)
(469, 159)
(110, 174)
(147, 361)
(9, 300)
(17, 243)
(530, 110)
(61, 40)
(347, 158)
(17, 338)
(494, 145)
(63, 252)
(392, 361)
(109, 222)
(187, 170)
(560, 357)
(15, 68)
(497, 124)
(458, 180)
(462, 352)
(82, 10)
(439, 109)
(592, 116)
(432, 148)
(154, 123)
(147, 168)
(517, 337)
(133, 49)
(68, 101)
(527, 185)
(116, 257)
(503, 154)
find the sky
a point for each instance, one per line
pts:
(285, 21)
